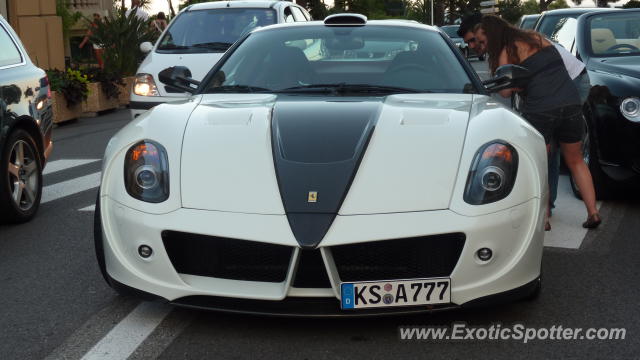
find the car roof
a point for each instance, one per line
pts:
(232, 4)
(402, 23)
(575, 10)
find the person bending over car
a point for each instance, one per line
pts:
(552, 102)
(470, 31)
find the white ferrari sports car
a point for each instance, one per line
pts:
(336, 167)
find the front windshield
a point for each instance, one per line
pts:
(615, 34)
(212, 30)
(529, 22)
(450, 31)
(551, 23)
(342, 59)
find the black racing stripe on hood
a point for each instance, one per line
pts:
(317, 148)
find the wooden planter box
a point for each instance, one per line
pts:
(97, 100)
(125, 91)
(61, 112)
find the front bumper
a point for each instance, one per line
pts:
(515, 235)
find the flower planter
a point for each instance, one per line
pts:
(125, 90)
(97, 101)
(61, 112)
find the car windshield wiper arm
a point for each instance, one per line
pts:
(173, 47)
(238, 89)
(351, 88)
(213, 45)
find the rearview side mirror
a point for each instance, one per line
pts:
(179, 77)
(146, 47)
(508, 76)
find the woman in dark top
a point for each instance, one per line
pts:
(551, 101)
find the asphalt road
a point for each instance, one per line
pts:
(54, 303)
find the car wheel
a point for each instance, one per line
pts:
(601, 181)
(481, 57)
(20, 179)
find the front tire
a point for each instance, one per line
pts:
(20, 178)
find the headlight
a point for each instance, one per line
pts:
(492, 174)
(144, 85)
(146, 172)
(630, 108)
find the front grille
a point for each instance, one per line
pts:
(311, 271)
(419, 257)
(225, 258)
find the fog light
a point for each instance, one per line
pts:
(145, 251)
(484, 254)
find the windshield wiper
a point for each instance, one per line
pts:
(349, 88)
(237, 89)
(173, 47)
(213, 45)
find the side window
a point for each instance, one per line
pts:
(9, 54)
(297, 14)
(288, 16)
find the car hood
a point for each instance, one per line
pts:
(268, 154)
(198, 64)
(626, 65)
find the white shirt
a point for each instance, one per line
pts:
(573, 65)
(140, 14)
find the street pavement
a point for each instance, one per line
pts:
(54, 303)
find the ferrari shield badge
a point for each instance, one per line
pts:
(312, 197)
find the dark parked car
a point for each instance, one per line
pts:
(552, 20)
(528, 21)
(25, 129)
(451, 31)
(608, 42)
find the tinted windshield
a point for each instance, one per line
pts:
(551, 23)
(615, 34)
(314, 57)
(212, 30)
(451, 31)
(528, 22)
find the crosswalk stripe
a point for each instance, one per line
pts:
(65, 164)
(70, 187)
(125, 337)
(88, 208)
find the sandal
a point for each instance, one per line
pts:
(592, 221)
(547, 226)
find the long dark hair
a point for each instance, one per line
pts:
(502, 35)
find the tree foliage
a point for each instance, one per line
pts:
(632, 4)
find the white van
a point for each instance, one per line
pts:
(197, 38)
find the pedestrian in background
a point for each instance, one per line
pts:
(138, 10)
(160, 22)
(552, 103)
(97, 49)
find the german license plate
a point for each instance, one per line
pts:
(370, 294)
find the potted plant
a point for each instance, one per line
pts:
(68, 90)
(104, 89)
(120, 36)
